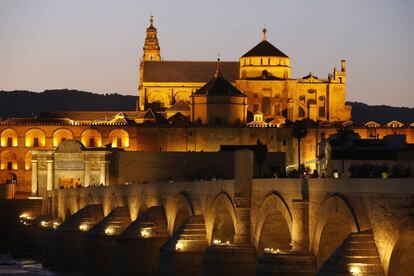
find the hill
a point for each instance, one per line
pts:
(362, 113)
(26, 104)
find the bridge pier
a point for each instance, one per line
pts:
(230, 260)
(286, 263)
(100, 242)
(138, 246)
(45, 245)
(68, 244)
(183, 253)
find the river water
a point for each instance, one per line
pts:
(25, 267)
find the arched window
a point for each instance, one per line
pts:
(119, 138)
(9, 138)
(61, 135)
(35, 138)
(266, 105)
(8, 161)
(91, 138)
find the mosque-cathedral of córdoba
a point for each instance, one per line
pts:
(192, 106)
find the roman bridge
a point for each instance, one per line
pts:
(235, 227)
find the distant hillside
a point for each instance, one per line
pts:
(362, 113)
(26, 103)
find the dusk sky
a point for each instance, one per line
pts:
(95, 45)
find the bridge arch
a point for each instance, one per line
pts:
(335, 220)
(183, 210)
(273, 224)
(221, 222)
(401, 259)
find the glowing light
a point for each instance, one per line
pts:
(145, 233)
(271, 250)
(84, 227)
(24, 216)
(55, 224)
(227, 242)
(216, 242)
(43, 223)
(179, 246)
(109, 231)
(355, 270)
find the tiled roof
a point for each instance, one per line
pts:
(219, 86)
(187, 71)
(265, 49)
(180, 106)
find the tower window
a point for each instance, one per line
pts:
(268, 61)
(261, 61)
(9, 165)
(119, 143)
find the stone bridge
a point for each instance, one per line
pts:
(243, 226)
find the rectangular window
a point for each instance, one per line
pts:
(10, 142)
(91, 142)
(284, 142)
(35, 142)
(10, 165)
(119, 143)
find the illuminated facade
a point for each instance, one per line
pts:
(202, 109)
(263, 74)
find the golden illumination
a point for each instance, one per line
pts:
(109, 231)
(23, 215)
(61, 135)
(84, 227)
(216, 242)
(35, 138)
(179, 246)
(55, 224)
(91, 138)
(119, 138)
(8, 138)
(43, 223)
(355, 270)
(271, 250)
(145, 233)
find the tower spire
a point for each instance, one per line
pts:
(218, 69)
(264, 34)
(151, 46)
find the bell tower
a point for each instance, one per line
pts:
(151, 46)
